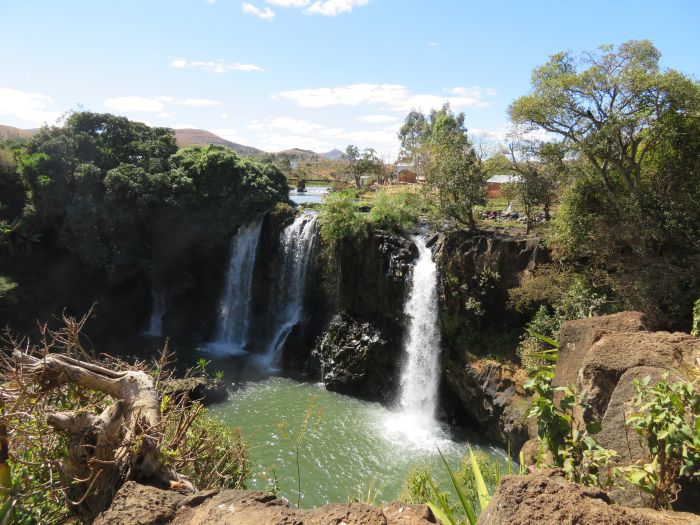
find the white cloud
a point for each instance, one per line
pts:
(320, 7)
(391, 96)
(378, 119)
(145, 104)
(287, 132)
(154, 104)
(224, 116)
(33, 108)
(433, 44)
(197, 102)
(211, 2)
(265, 14)
(289, 3)
(216, 66)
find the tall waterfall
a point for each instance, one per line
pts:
(155, 322)
(421, 373)
(296, 245)
(234, 312)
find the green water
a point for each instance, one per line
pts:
(353, 447)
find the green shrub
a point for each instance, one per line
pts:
(395, 212)
(341, 218)
(668, 422)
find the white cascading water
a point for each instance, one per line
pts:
(155, 322)
(296, 245)
(420, 375)
(234, 312)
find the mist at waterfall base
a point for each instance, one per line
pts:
(354, 446)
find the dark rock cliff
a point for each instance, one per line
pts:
(476, 269)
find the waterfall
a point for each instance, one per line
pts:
(421, 372)
(296, 246)
(155, 322)
(415, 423)
(234, 311)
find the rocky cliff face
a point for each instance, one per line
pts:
(360, 350)
(546, 498)
(476, 270)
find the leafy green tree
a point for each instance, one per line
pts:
(539, 171)
(454, 169)
(614, 112)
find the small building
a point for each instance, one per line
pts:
(405, 173)
(495, 184)
(367, 180)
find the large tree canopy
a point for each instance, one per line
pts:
(613, 107)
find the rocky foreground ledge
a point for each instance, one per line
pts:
(136, 504)
(542, 498)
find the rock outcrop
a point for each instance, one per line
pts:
(353, 358)
(496, 398)
(602, 357)
(136, 504)
(546, 498)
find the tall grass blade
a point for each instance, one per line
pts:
(466, 504)
(481, 488)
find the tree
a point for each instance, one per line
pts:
(453, 167)
(539, 169)
(361, 164)
(614, 112)
(414, 135)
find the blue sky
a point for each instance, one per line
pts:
(314, 74)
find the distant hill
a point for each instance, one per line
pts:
(334, 154)
(12, 133)
(200, 137)
(298, 153)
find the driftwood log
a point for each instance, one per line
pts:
(105, 449)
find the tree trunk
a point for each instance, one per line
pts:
(109, 448)
(470, 219)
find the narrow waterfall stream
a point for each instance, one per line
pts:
(234, 312)
(296, 246)
(155, 321)
(420, 375)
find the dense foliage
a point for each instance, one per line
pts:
(119, 199)
(630, 132)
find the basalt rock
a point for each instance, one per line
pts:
(197, 388)
(136, 504)
(476, 269)
(353, 357)
(493, 396)
(546, 498)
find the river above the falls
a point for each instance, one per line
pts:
(350, 447)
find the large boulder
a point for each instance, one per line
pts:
(136, 504)
(603, 357)
(353, 357)
(546, 498)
